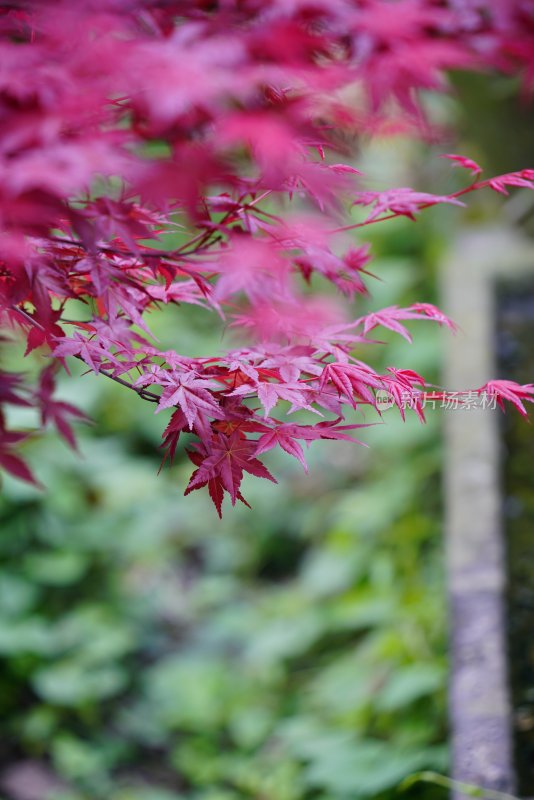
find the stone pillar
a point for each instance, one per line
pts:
(479, 702)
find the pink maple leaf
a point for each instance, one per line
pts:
(190, 392)
(351, 381)
(401, 202)
(511, 391)
(286, 435)
(390, 318)
(283, 436)
(524, 179)
(92, 352)
(464, 162)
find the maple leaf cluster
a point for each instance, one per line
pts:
(124, 121)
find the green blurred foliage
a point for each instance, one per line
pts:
(151, 652)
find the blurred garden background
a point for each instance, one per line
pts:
(295, 651)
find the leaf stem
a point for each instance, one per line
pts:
(468, 789)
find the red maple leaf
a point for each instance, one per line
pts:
(57, 411)
(222, 464)
(9, 460)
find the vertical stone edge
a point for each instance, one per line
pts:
(479, 700)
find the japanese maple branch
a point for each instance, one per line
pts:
(147, 253)
(144, 394)
(473, 187)
(201, 241)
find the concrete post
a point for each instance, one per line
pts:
(479, 703)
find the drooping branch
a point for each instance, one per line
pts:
(143, 393)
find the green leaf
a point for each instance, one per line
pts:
(410, 683)
(468, 789)
(55, 568)
(362, 768)
(73, 683)
(31, 635)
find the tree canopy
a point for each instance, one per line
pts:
(200, 153)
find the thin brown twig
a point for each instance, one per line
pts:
(144, 394)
